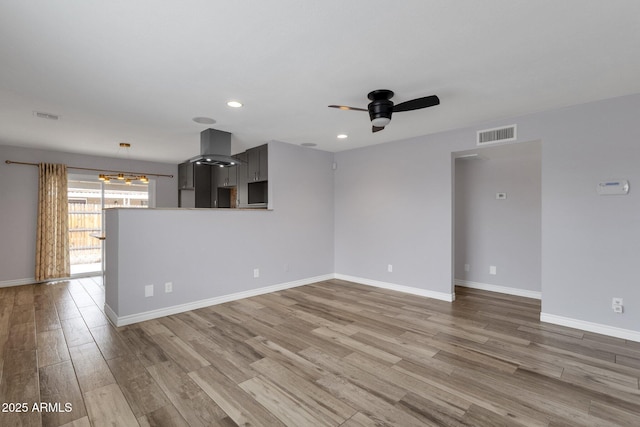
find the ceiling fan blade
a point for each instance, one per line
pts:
(344, 107)
(376, 128)
(416, 104)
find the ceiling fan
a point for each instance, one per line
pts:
(381, 107)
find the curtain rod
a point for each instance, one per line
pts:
(9, 162)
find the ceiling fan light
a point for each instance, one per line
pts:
(380, 121)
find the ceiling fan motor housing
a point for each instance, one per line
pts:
(380, 106)
(380, 109)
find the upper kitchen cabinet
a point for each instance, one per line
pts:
(185, 176)
(257, 169)
(196, 178)
(227, 176)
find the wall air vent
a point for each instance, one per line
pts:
(47, 116)
(496, 135)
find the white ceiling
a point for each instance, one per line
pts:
(139, 71)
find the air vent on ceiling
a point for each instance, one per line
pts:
(495, 135)
(47, 116)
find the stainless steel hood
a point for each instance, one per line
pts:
(215, 149)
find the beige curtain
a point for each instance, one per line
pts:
(52, 241)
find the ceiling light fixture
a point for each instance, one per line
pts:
(342, 136)
(234, 104)
(128, 179)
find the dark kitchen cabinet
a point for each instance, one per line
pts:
(185, 176)
(257, 163)
(241, 175)
(226, 177)
(196, 178)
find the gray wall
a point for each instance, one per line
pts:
(394, 205)
(591, 243)
(208, 253)
(19, 200)
(503, 233)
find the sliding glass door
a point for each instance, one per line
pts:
(88, 196)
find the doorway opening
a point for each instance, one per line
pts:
(87, 198)
(497, 215)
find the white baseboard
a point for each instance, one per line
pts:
(181, 308)
(501, 289)
(598, 328)
(17, 282)
(400, 288)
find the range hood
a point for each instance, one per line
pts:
(215, 149)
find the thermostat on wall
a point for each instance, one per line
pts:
(613, 187)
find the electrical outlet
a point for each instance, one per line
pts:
(168, 287)
(390, 268)
(618, 309)
(467, 267)
(501, 196)
(493, 270)
(148, 291)
(616, 301)
(256, 273)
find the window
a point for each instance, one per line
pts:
(87, 198)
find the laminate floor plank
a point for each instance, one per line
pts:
(47, 319)
(441, 398)
(107, 406)
(365, 380)
(181, 352)
(233, 400)
(314, 399)
(290, 360)
(167, 416)
(141, 344)
(370, 405)
(56, 381)
(52, 347)
(286, 407)
(21, 387)
(330, 353)
(81, 422)
(91, 368)
(76, 331)
(193, 404)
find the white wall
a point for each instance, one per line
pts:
(211, 253)
(503, 233)
(19, 201)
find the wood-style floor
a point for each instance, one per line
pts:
(329, 354)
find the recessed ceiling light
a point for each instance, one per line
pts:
(234, 104)
(204, 120)
(343, 136)
(308, 144)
